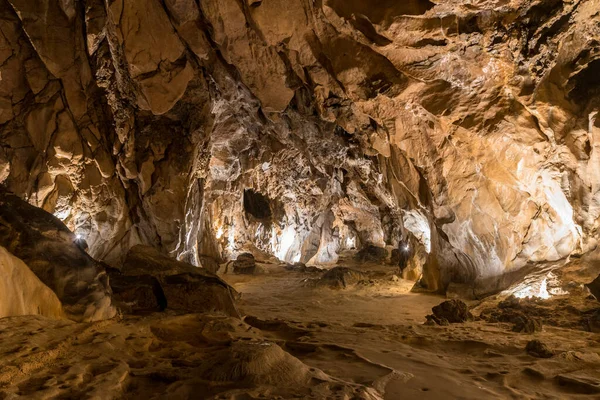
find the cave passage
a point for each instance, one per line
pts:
(257, 205)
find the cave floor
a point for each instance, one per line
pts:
(366, 342)
(374, 335)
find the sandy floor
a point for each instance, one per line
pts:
(297, 341)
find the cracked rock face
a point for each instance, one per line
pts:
(469, 129)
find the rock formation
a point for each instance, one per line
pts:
(52, 272)
(301, 129)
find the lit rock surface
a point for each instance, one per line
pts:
(52, 269)
(22, 292)
(471, 128)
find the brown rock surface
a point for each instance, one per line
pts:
(469, 126)
(155, 281)
(49, 251)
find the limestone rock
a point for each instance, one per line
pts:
(538, 349)
(48, 248)
(451, 311)
(372, 253)
(594, 288)
(156, 281)
(145, 122)
(22, 292)
(244, 264)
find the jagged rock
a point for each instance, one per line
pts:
(342, 278)
(593, 322)
(244, 264)
(594, 288)
(523, 323)
(523, 316)
(145, 122)
(450, 311)
(50, 251)
(538, 349)
(372, 253)
(150, 280)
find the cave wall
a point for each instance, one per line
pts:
(470, 127)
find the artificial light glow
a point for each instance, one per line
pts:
(405, 248)
(533, 291)
(219, 232)
(78, 237)
(231, 238)
(286, 240)
(351, 242)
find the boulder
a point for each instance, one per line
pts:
(244, 264)
(452, 311)
(150, 280)
(50, 251)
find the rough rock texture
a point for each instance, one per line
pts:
(538, 349)
(342, 278)
(470, 127)
(450, 311)
(154, 281)
(48, 249)
(22, 293)
(244, 264)
(594, 288)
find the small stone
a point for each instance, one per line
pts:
(454, 311)
(538, 349)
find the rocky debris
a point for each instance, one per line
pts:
(594, 288)
(538, 349)
(450, 311)
(150, 280)
(244, 264)
(522, 323)
(372, 253)
(50, 251)
(342, 278)
(525, 317)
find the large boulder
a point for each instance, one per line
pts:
(149, 280)
(48, 248)
(22, 293)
